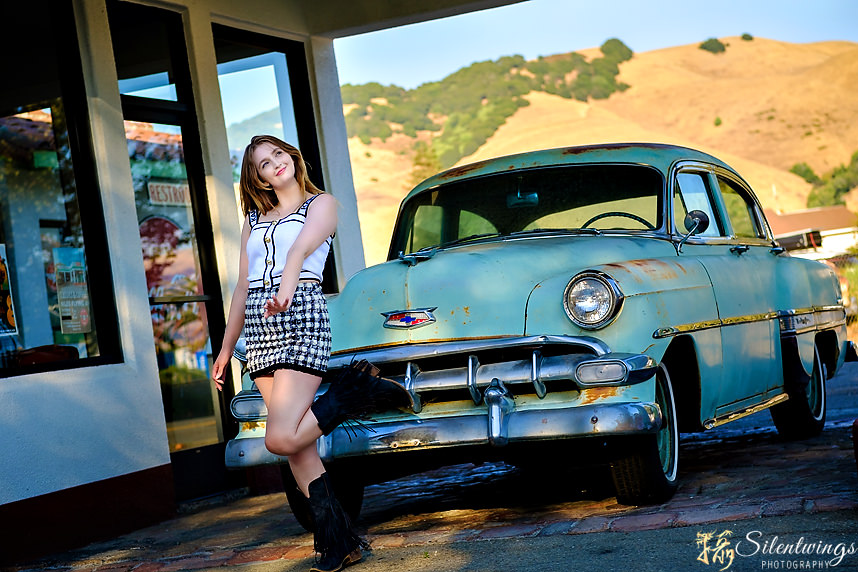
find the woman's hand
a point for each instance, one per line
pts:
(219, 368)
(277, 304)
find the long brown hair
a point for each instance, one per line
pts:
(254, 192)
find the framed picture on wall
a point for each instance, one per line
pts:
(8, 324)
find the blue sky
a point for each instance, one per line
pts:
(410, 55)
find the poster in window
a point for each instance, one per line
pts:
(8, 324)
(72, 291)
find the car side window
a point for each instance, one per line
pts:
(740, 210)
(691, 192)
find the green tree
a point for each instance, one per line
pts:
(835, 184)
(713, 45)
(425, 163)
(805, 171)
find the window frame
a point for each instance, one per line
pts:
(77, 117)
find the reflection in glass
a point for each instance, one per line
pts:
(171, 261)
(45, 290)
(255, 94)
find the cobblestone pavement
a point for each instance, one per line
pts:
(731, 474)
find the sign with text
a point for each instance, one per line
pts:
(72, 290)
(169, 194)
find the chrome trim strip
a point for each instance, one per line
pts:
(749, 319)
(408, 352)
(473, 366)
(795, 312)
(712, 423)
(535, 366)
(411, 371)
(798, 320)
(522, 425)
(685, 328)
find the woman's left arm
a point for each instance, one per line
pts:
(321, 222)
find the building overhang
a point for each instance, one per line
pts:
(340, 18)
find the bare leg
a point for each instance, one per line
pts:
(292, 429)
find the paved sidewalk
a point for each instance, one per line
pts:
(732, 478)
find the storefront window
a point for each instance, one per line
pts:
(56, 308)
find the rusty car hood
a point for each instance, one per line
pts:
(482, 290)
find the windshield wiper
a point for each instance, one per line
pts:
(592, 231)
(469, 238)
(424, 253)
(428, 252)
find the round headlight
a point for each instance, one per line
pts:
(592, 299)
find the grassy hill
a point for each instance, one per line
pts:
(761, 105)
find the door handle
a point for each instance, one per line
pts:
(739, 248)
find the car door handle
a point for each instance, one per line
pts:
(739, 248)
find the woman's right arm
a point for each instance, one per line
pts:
(235, 319)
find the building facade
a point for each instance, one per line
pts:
(119, 236)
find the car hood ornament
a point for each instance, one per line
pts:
(402, 319)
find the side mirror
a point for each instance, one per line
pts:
(696, 222)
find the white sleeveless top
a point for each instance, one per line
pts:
(269, 243)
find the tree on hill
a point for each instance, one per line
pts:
(830, 189)
(468, 106)
(713, 45)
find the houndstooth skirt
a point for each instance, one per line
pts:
(298, 339)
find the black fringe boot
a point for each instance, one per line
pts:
(355, 393)
(336, 543)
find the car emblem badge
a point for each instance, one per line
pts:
(403, 319)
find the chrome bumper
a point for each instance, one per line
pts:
(587, 362)
(497, 425)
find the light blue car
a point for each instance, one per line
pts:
(578, 304)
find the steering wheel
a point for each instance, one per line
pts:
(643, 221)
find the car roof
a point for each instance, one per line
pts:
(658, 155)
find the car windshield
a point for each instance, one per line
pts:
(583, 198)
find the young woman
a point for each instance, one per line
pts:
(278, 301)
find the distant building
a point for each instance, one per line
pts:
(819, 233)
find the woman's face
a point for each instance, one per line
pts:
(274, 165)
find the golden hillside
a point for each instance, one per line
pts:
(778, 103)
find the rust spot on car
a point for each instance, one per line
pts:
(651, 267)
(463, 170)
(251, 425)
(467, 310)
(594, 394)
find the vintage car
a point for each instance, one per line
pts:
(577, 305)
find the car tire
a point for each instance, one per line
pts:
(646, 471)
(803, 415)
(348, 492)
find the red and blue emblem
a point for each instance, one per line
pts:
(401, 319)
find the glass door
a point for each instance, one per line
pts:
(175, 229)
(177, 297)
